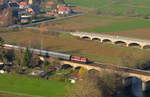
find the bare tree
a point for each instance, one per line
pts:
(84, 88)
(98, 84)
(2, 51)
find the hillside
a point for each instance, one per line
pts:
(116, 7)
(60, 42)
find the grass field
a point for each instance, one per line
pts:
(118, 25)
(30, 87)
(95, 51)
(118, 7)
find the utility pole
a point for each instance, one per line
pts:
(29, 44)
(41, 44)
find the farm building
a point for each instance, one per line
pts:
(64, 10)
(51, 5)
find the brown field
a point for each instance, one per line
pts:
(65, 43)
(137, 33)
(84, 23)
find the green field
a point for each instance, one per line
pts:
(122, 26)
(126, 26)
(116, 7)
(31, 87)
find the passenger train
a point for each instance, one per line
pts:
(50, 53)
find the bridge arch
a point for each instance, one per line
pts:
(128, 80)
(133, 84)
(86, 37)
(96, 39)
(106, 41)
(146, 47)
(93, 71)
(147, 86)
(136, 45)
(120, 43)
(66, 66)
(77, 68)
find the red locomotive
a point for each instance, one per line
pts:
(79, 59)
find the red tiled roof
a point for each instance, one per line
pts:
(50, 3)
(1, 2)
(63, 8)
(23, 3)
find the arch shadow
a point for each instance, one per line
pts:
(66, 66)
(106, 41)
(121, 43)
(86, 37)
(129, 80)
(147, 47)
(93, 71)
(135, 45)
(96, 39)
(77, 68)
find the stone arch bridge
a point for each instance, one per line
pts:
(126, 72)
(143, 44)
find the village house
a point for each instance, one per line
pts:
(64, 10)
(23, 4)
(51, 5)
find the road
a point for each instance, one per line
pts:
(51, 20)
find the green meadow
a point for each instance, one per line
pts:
(122, 26)
(30, 87)
(120, 7)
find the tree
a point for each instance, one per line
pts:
(54, 61)
(61, 1)
(133, 61)
(98, 84)
(109, 83)
(2, 51)
(82, 71)
(9, 55)
(27, 58)
(18, 58)
(2, 55)
(128, 60)
(84, 88)
(1, 41)
(143, 63)
(35, 61)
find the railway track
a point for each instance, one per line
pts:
(95, 64)
(122, 68)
